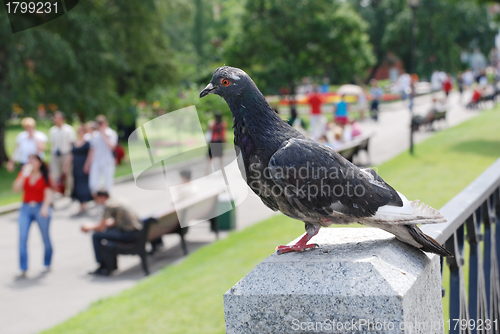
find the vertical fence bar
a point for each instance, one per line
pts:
(473, 237)
(485, 219)
(493, 207)
(454, 282)
(458, 294)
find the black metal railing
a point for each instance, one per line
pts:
(472, 217)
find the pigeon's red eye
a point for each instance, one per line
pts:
(225, 82)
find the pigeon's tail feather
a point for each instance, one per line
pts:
(413, 213)
(424, 210)
(412, 235)
(428, 244)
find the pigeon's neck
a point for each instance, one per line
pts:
(258, 129)
(251, 107)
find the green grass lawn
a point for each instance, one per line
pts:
(187, 298)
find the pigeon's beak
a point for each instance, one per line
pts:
(208, 90)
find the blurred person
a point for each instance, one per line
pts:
(293, 113)
(306, 86)
(436, 83)
(376, 93)
(315, 114)
(118, 224)
(77, 158)
(296, 121)
(482, 79)
(28, 142)
(475, 99)
(324, 140)
(355, 128)
(362, 105)
(404, 82)
(325, 86)
(100, 163)
(478, 61)
(217, 136)
(34, 181)
(447, 85)
(341, 112)
(62, 136)
(336, 142)
(460, 82)
(468, 78)
(90, 127)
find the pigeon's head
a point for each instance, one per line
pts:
(227, 82)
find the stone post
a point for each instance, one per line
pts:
(360, 280)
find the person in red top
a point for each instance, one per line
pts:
(315, 115)
(447, 85)
(33, 180)
(217, 138)
(476, 98)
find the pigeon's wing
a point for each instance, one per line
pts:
(315, 178)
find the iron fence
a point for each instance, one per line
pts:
(472, 217)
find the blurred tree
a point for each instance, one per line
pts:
(95, 59)
(443, 31)
(281, 41)
(378, 14)
(444, 28)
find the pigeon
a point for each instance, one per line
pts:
(308, 181)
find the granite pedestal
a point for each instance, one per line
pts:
(360, 280)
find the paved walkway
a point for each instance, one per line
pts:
(44, 300)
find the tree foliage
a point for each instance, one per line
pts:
(95, 59)
(444, 28)
(281, 41)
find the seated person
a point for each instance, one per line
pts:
(323, 140)
(333, 138)
(118, 224)
(355, 128)
(476, 97)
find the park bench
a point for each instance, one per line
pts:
(201, 207)
(359, 143)
(428, 121)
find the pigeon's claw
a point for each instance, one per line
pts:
(295, 248)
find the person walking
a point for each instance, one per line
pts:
(77, 158)
(447, 85)
(28, 142)
(35, 183)
(315, 114)
(341, 112)
(376, 93)
(100, 163)
(62, 136)
(217, 138)
(460, 83)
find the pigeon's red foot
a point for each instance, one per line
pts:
(300, 246)
(295, 248)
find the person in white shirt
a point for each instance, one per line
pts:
(28, 142)
(404, 82)
(62, 136)
(100, 164)
(468, 78)
(436, 83)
